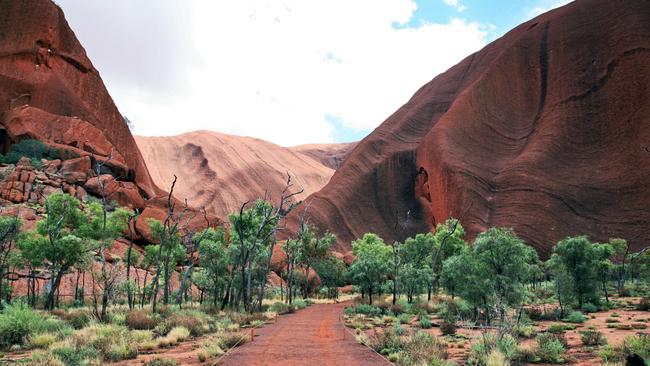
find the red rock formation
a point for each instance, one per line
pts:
(330, 155)
(220, 172)
(49, 90)
(542, 131)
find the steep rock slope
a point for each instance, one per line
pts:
(49, 90)
(542, 130)
(220, 172)
(330, 155)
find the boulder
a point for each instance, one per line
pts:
(75, 171)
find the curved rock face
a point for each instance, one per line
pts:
(542, 130)
(330, 155)
(220, 172)
(50, 91)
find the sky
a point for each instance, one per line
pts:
(286, 71)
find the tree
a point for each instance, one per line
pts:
(64, 247)
(372, 263)
(580, 259)
(102, 226)
(415, 256)
(491, 274)
(214, 261)
(9, 231)
(448, 241)
(314, 247)
(331, 271)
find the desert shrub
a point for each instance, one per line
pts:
(611, 321)
(193, 324)
(576, 317)
(487, 343)
(592, 338)
(42, 359)
(425, 322)
(550, 348)
(33, 149)
(140, 319)
(404, 318)
(299, 304)
(246, 318)
(639, 326)
(616, 315)
(161, 361)
(525, 331)
(77, 319)
(113, 342)
(425, 307)
(232, 339)
(560, 328)
(397, 309)
(644, 304)
(212, 346)
(638, 344)
(589, 308)
(72, 356)
(608, 354)
(496, 358)
(537, 313)
(421, 348)
(448, 328)
(367, 310)
(202, 355)
(17, 323)
(282, 308)
(43, 340)
(398, 329)
(178, 333)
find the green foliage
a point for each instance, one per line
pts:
(17, 323)
(580, 259)
(560, 328)
(550, 348)
(35, 150)
(493, 272)
(161, 361)
(589, 307)
(372, 263)
(576, 317)
(487, 343)
(366, 309)
(592, 338)
(425, 322)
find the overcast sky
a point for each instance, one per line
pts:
(287, 71)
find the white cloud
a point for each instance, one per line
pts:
(456, 4)
(268, 69)
(543, 9)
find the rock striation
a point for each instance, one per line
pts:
(543, 130)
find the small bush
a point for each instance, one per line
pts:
(496, 358)
(230, 340)
(560, 328)
(592, 338)
(589, 308)
(398, 329)
(367, 310)
(550, 348)
(423, 349)
(180, 334)
(397, 308)
(202, 355)
(33, 149)
(404, 318)
(576, 317)
(17, 323)
(448, 328)
(140, 320)
(161, 361)
(77, 319)
(425, 322)
(42, 340)
(299, 304)
(525, 331)
(644, 304)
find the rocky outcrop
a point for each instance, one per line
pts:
(542, 130)
(220, 172)
(50, 91)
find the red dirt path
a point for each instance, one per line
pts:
(313, 336)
